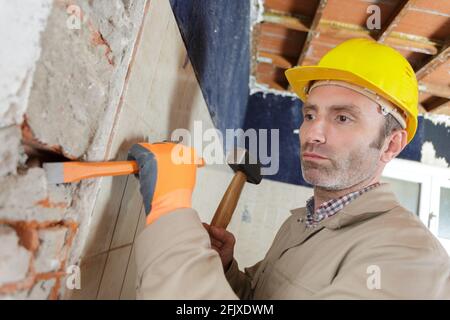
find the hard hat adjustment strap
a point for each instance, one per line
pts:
(386, 106)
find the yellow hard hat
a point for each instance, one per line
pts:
(368, 64)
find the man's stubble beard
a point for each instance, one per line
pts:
(342, 174)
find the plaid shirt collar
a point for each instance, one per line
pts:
(331, 207)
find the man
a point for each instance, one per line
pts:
(352, 240)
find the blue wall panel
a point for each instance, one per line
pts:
(216, 35)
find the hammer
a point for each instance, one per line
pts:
(246, 169)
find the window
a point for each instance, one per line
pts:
(444, 214)
(425, 191)
(407, 192)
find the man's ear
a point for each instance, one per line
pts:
(393, 145)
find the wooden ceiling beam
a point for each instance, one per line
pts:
(434, 89)
(345, 30)
(312, 30)
(290, 21)
(395, 19)
(442, 57)
(444, 108)
(275, 59)
(422, 109)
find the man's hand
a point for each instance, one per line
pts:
(167, 176)
(223, 242)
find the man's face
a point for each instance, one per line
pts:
(338, 137)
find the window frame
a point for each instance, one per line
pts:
(431, 180)
(438, 183)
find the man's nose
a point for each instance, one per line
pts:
(314, 132)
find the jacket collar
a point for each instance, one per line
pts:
(368, 205)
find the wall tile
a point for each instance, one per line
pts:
(129, 285)
(129, 212)
(114, 274)
(104, 216)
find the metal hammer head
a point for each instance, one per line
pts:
(239, 159)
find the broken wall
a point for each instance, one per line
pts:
(63, 68)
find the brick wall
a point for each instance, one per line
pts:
(60, 94)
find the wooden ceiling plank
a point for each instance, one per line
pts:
(395, 19)
(275, 59)
(344, 30)
(442, 57)
(437, 90)
(290, 21)
(422, 109)
(312, 30)
(444, 108)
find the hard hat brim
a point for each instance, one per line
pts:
(300, 77)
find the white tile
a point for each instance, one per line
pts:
(130, 209)
(147, 55)
(130, 130)
(166, 106)
(129, 285)
(104, 216)
(114, 274)
(141, 223)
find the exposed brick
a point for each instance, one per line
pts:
(70, 87)
(70, 99)
(10, 150)
(14, 259)
(50, 252)
(18, 295)
(41, 290)
(23, 190)
(21, 23)
(28, 236)
(38, 214)
(26, 197)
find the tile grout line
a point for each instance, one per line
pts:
(136, 45)
(101, 279)
(109, 247)
(159, 55)
(132, 248)
(106, 251)
(137, 225)
(126, 270)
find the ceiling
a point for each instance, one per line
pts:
(300, 32)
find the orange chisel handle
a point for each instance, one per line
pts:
(75, 171)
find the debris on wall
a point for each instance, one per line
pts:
(429, 156)
(438, 119)
(256, 87)
(60, 94)
(256, 12)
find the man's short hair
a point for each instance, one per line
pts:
(390, 125)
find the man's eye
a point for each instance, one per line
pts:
(343, 118)
(309, 116)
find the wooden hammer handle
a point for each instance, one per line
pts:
(229, 201)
